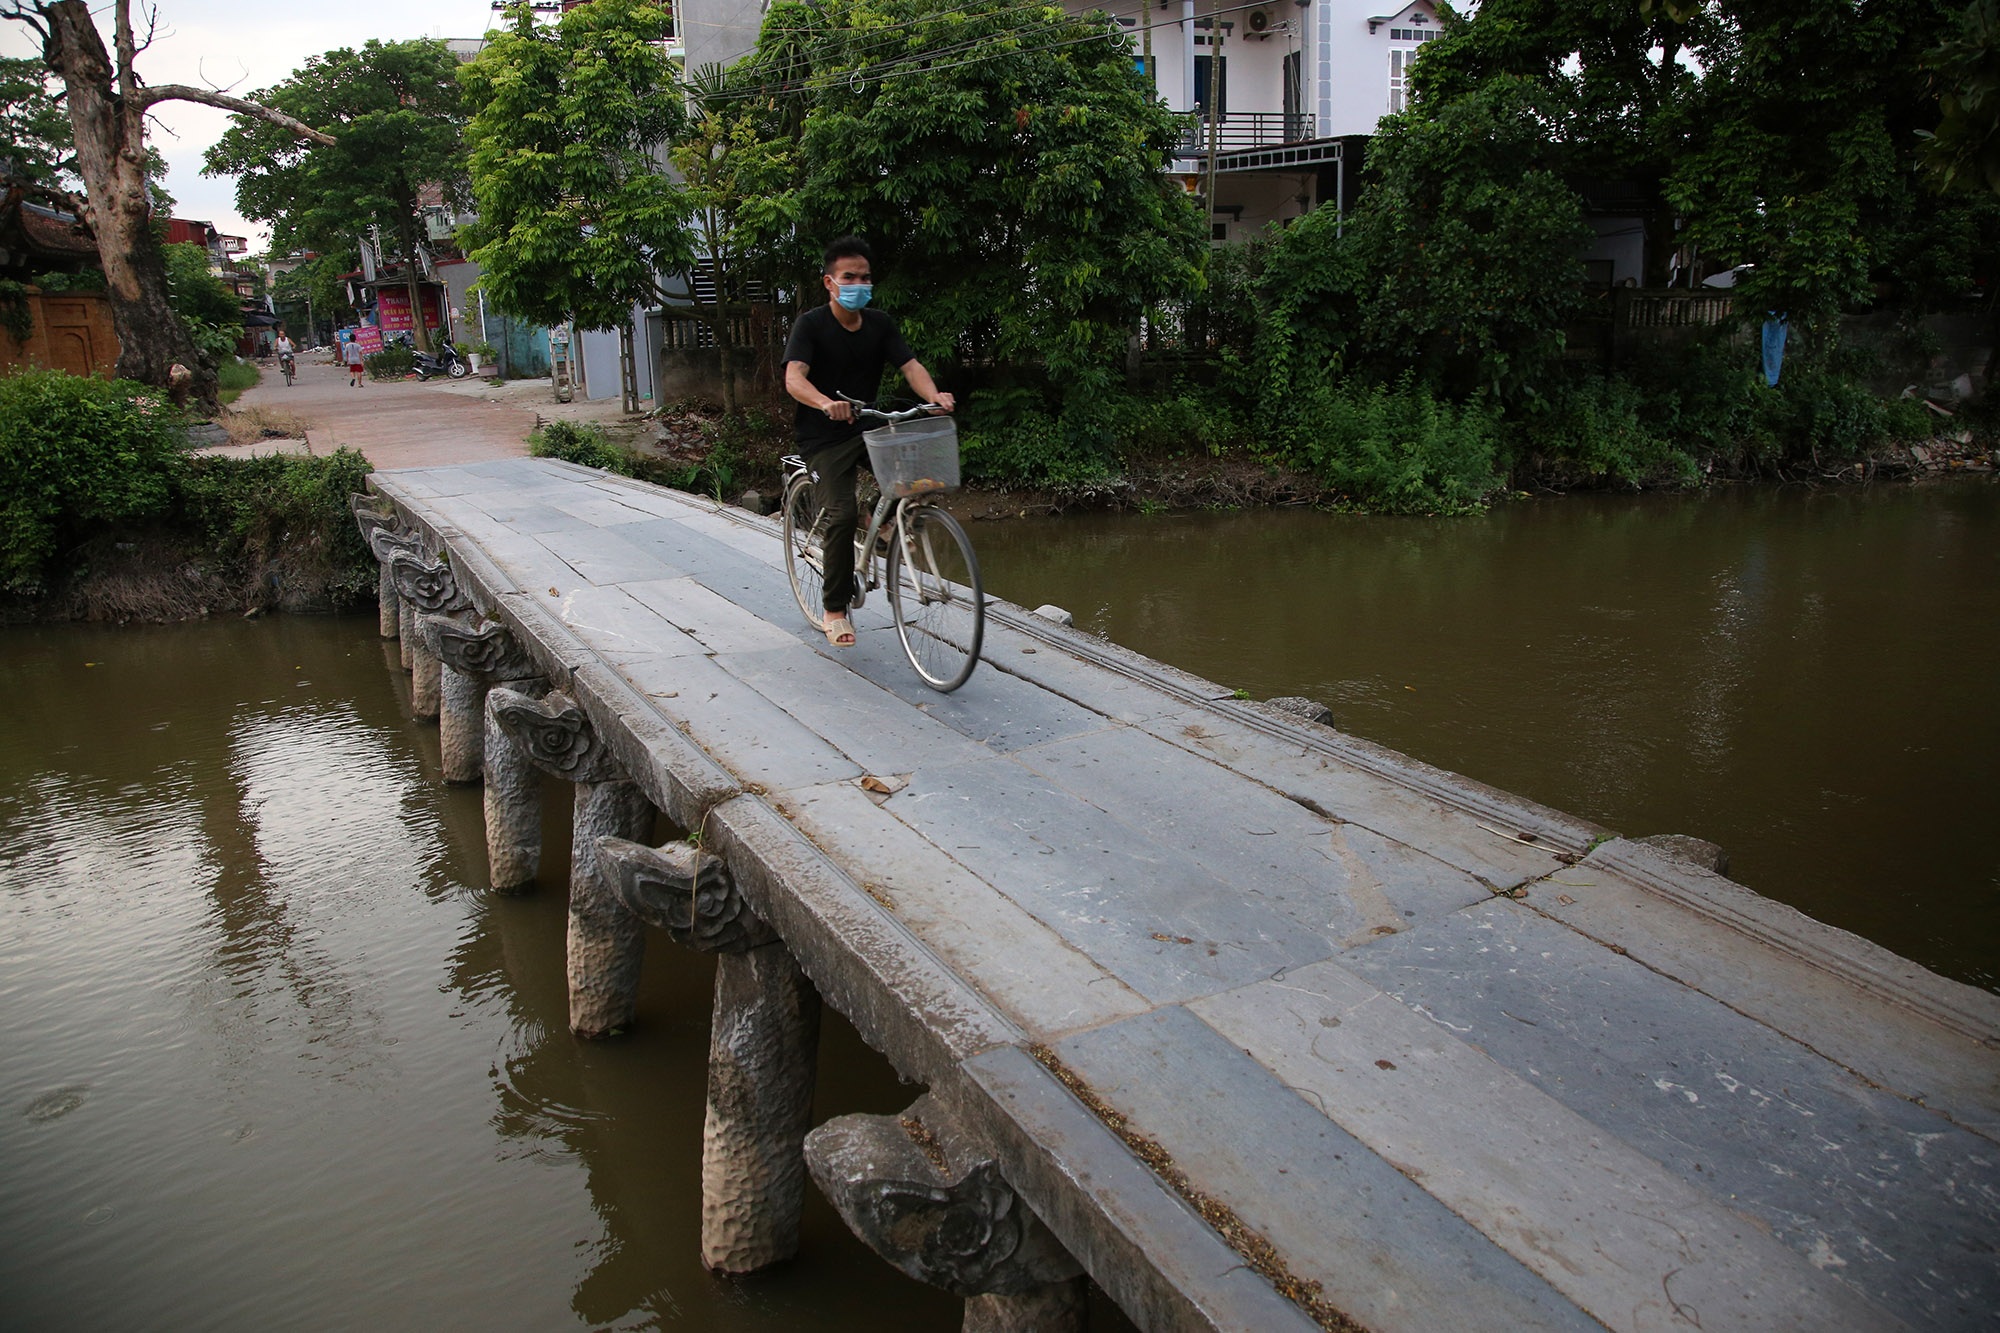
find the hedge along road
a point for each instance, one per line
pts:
(406, 423)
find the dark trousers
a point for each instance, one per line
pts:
(833, 470)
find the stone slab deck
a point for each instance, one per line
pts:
(1463, 1061)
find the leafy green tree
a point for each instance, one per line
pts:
(1610, 74)
(1965, 147)
(568, 131)
(34, 131)
(206, 307)
(739, 163)
(1460, 264)
(1006, 162)
(394, 119)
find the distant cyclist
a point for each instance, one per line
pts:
(283, 347)
(842, 347)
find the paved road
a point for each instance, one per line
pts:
(398, 424)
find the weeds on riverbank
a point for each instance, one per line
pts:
(107, 517)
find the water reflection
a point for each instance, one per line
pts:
(271, 1055)
(1803, 677)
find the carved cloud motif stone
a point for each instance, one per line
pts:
(686, 892)
(557, 735)
(968, 1233)
(427, 585)
(488, 649)
(386, 541)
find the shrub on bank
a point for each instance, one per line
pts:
(77, 453)
(93, 465)
(391, 363)
(1396, 448)
(582, 443)
(281, 523)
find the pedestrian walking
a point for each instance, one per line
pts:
(350, 352)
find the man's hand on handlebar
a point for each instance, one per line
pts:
(838, 410)
(945, 402)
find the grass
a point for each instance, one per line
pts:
(232, 377)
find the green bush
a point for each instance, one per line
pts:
(584, 444)
(232, 377)
(1007, 437)
(1396, 448)
(391, 363)
(284, 511)
(76, 453)
(1596, 430)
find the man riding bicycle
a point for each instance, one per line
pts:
(835, 349)
(283, 347)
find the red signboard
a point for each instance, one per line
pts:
(393, 308)
(370, 339)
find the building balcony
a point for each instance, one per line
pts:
(1238, 130)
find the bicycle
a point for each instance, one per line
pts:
(286, 364)
(928, 568)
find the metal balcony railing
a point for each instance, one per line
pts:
(1245, 129)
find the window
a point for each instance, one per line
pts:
(1412, 35)
(1400, 61)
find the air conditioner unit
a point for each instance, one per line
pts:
(1259, 21)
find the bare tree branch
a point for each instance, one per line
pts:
(180, 92)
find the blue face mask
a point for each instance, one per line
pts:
(855, 296)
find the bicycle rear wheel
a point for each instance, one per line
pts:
(935, 596)
(804, 562)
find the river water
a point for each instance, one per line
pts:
(270, 1057)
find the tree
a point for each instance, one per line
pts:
(395, 120)
(108, 104)
(1965, 147)
(1461, 263)
(568, 128)
(1008, 163)
(738, 162)
(34, 132)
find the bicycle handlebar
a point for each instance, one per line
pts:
(891, 418)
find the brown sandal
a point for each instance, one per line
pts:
(839, 630)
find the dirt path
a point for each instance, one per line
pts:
(404, 423)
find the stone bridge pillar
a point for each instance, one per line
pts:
(374, 517)
(606, 942)
(386, 543)
(763, 1047)
(922, 1196)
(476, 655)
(424, 587)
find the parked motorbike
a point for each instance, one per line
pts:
(445, 361)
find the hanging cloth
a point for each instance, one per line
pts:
(1774, 346)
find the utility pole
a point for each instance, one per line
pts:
(1214, 97)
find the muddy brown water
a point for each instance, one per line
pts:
(1809, 678)
(270, 1057)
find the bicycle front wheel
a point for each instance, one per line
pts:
(935, 596)
(804, 562)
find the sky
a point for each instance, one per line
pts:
(241, 46)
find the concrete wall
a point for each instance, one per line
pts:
(72, 331)
(1620, 242)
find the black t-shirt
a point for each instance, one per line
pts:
(840, 362)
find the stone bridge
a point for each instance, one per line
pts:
(1255, 1024)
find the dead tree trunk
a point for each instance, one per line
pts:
(110, 136)
(107, 106)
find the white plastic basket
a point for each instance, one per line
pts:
(914, 457)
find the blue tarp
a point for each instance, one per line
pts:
(1774, 347)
